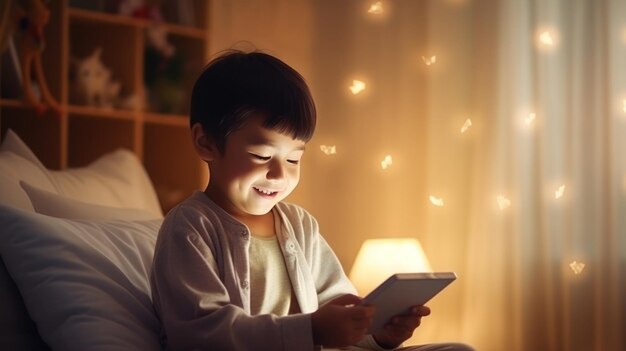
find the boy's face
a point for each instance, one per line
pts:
(258, 168)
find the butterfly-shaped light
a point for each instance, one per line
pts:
(386, 162)
(466, 125)
(437, 201)
(376, 8)
(545, 38)
(577, 267)
(559, 192)
(503, 202)
(357, 86)
(429, 60)
(328, 150)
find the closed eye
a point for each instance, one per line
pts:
(295, 162)
(259, 157)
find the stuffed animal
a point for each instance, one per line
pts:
(26, 20)
(92, 84)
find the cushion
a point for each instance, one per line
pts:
(84, 283)
(15, 168)
(116, 179)
(51, 204)
(13, 143)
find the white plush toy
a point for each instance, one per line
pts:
(92, 82)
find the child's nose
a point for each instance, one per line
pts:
(276, 170)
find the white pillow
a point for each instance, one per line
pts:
(84, 283)
(13, 169)
(13, 143)
(55, 205)
(116, 179)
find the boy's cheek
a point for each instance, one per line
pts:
(245, 167)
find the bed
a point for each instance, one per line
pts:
(76, 248)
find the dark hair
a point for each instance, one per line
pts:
(236, 85)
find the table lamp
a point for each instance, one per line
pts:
(380, 258)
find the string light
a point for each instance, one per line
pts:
(376, 8)
(577, 267)
(559, 192)
(503, 202)
(530, 119)
(328, 150)
(437, 201)
(357, 86)
(546, 39)
(466, 125)
(386, 162)
(429, 60)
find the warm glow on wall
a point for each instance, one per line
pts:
(380, 258)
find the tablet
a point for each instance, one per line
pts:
(401, 291)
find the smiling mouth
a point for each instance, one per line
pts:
(265, 193)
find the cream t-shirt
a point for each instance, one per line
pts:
(270, 288)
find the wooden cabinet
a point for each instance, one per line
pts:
(155, 127)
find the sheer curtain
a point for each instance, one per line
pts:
(533, 191)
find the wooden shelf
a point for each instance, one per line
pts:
(90, 111)
(13, 103)
(93, 16)
(84, 133)
(167, 120)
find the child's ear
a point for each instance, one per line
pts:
(204, 144)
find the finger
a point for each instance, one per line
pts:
(361, 312)
(345, 300)
(408, 322)
(396, 338)
(421, 311)
(399, 330)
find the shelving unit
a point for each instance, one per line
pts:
(81, 133)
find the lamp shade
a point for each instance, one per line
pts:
(380, 258)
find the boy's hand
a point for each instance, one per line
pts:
(401, 327)
(341, 322)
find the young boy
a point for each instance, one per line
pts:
(235, 268)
